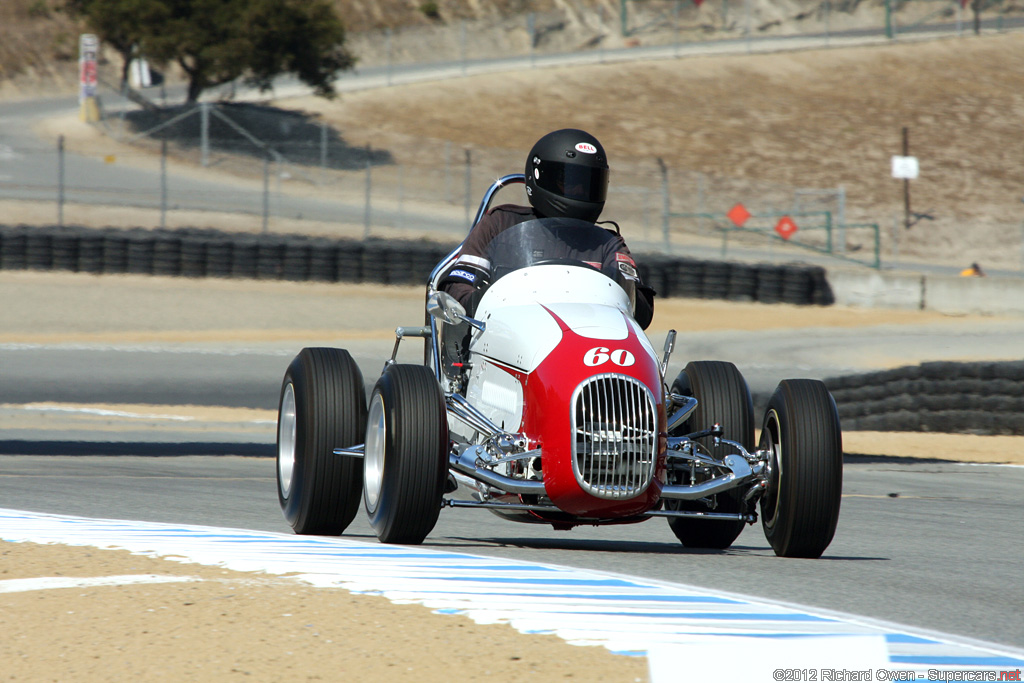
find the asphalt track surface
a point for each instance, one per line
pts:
(929, 544)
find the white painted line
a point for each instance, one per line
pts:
(626, 614)
(106, 412)
(53, 582)
(49, 408)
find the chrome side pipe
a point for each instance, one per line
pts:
(688, 405)
(740, 474)
(466, 463)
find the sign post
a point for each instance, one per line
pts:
(906, 168)
(88, 52)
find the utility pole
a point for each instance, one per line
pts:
(906, 181)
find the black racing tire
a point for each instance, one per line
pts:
(724, 398)
(405, 460)
(323, 407)
(801, 432)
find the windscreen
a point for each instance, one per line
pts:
(560, 241)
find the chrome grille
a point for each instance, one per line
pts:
(615, 436)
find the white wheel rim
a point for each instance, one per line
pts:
(286, 441)
(373, 454)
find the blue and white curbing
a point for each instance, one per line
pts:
(669, 622)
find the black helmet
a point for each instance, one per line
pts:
(567, 175)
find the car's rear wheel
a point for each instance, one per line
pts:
(801, 432)
(322, 407)
(405, 460)
(723, 398)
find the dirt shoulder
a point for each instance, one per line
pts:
(55, 307)
(219, 625)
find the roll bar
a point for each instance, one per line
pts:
(485, 204)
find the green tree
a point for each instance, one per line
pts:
(220, 41)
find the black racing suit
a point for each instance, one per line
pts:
(471, 274)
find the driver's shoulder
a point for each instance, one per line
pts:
(511, 210)
(502, 217)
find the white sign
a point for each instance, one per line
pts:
(88, 49)
(139, 74)
(904, 167)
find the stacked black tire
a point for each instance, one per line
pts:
(673, 276)
(194, 252)
(211, 253)
(948, 397)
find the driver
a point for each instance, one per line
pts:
(566, 177)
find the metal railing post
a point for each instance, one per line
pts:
(163, 184)
(367, 209)
(323, 152)
(878, 247)
(266, 192)
(828, 231)
(60, 181)
(204, 134)
(665, 204)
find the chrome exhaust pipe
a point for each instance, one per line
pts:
(740, 474)
(465, 463)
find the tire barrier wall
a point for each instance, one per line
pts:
(193, 252)
(963, 398)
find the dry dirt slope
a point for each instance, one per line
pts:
(819, 119)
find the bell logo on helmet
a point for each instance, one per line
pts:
(586, 148)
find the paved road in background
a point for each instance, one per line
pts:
(249, 375)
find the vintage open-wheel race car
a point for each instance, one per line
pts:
(551, 406)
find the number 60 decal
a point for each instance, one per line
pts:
(600, 355)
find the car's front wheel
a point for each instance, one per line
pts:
(723, 398)
(405, 459)
(322, 407)
(801, 433)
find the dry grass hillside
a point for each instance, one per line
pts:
(37, 38)
(815, 119)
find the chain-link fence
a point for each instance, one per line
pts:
(256, 168)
